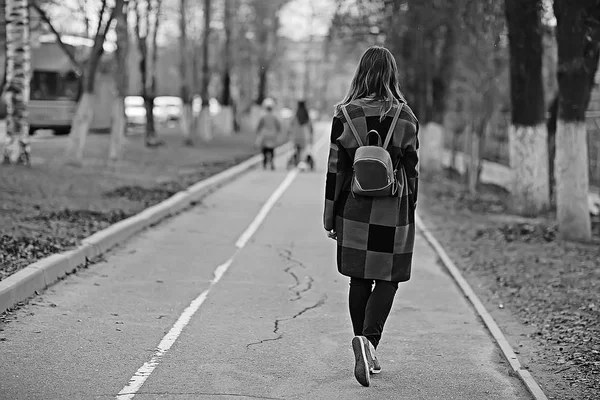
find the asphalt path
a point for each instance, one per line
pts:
(219, 304)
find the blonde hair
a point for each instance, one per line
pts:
(376, 76)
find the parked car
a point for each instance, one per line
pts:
(135, 111)
(167, 109)
(213, 105)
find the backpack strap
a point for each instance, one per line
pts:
(352, 127)
(392, 127)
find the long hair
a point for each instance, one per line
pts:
(302, 113)
(376, 77)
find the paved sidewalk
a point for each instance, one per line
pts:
(276, 326)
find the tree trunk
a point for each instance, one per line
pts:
(151, 139)
(80, 127)
(204, 123)
(18, 74)
(121, 78)
(528, 146)
(150, 127)
(187, 115)
(226, 93)
(440, 84)
(551, 127)
(474, 162)
(572, 181)
(262, 84)
(226, 122)
(432, 143)
(85, 108)
(577, 65)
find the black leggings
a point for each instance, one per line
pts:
(268, 156)
(370, 306)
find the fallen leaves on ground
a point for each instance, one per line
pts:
(549, 285)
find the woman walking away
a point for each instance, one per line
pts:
(301, 133)
(268, 130)
(370, 198)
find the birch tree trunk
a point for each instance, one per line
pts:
(528, 135)
(186, 115)
(18, 74)
(578, 55)
(121, 78)
(204, 122)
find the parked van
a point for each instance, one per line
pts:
(56, 87)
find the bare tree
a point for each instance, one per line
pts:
(578, 37)
(18, 74)
(204, 122)
(528, 132)
(186, 97)
(119, 124)
(85, 108)
(227, 114)
(147, 17)
(266, 24)
(479, 78)
(68, 50)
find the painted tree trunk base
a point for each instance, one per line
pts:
(431, 142)
(150, 135)
(204, 124)
(256, 112)
(572, 181)
(474, 164)
(17, 151)
(224, 121)
(528, 150)
(186, 124)
(80, 128)
(117, 133)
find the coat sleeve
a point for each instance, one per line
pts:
(337, 168)
(411, 164)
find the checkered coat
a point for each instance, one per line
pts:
(375, 235)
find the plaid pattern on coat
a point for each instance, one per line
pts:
(375, 235)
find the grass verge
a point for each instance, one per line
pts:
(52, 205)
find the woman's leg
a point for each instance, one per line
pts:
(265, 157)
(272, 157)
(360, 291)
(378, 308)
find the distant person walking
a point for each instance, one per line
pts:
(301, 133)
(268, 130)
(370, 200)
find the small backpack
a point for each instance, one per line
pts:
(374, 172)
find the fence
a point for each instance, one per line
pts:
(496, 144)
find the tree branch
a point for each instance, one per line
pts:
(62, 45)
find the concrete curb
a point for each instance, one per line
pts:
(508, 352)
(45, 272)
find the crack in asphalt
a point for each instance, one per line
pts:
(316, 305)
(278, 321)
(287, 255)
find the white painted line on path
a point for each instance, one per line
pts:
(142, 374)
(262, 214)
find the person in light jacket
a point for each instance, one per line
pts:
(375, 235)
(268, 131)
